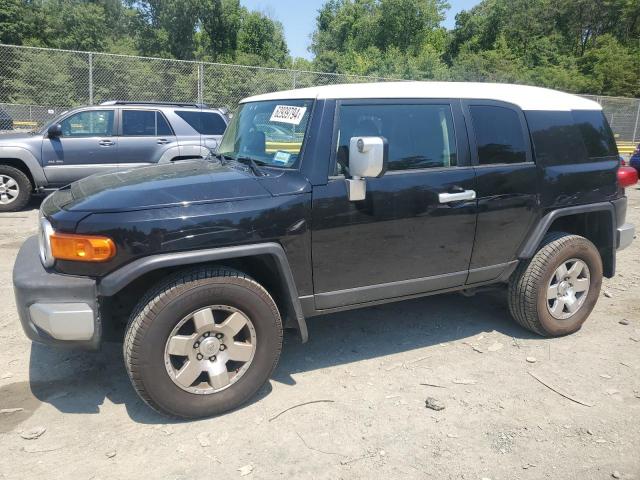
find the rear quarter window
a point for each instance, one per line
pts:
(205, 123)
(595, 132)
(556, 138)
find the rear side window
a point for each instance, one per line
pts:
(596, 133)
(556, 138)
(419, 136)
(498, 134)
(144, 123)
(205, 123)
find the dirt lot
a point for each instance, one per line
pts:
(499, 422)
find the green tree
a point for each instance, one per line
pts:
(611, 68)
(16, 22)
(169, 26)
(220, 21)
(381, 37)
(585, 46)
(261, 41)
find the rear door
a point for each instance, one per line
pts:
(407, 236)
(87, 145)
(507, 185)
(144, 137)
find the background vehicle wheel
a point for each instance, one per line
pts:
(15, 189)
(202, 342)
(554, 293)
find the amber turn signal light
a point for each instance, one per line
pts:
(82, 248)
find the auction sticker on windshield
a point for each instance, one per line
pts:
(288, 114)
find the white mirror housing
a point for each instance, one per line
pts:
(367, 159)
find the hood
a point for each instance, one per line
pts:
(157, 186)
(15, 138)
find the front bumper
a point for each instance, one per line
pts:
(626, 234)
(55, 309)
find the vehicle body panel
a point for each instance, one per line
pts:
(507, 196)
(66, 160)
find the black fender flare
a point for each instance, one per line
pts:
(608, 250)
(531, 245)
(119, 279)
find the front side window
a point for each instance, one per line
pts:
(271, 133)
(205, 123)
(419, 136)
(144, 123)
(498, 135)
(94, 123)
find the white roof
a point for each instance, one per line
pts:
(524, 96)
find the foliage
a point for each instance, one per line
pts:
(216, 30)
(585, 46)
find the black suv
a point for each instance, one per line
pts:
(321, 200)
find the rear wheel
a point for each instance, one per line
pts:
(554, 293)
(202, 342)
(15, 189)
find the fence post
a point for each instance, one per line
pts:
(200, 83)
(635, 127)
(295, 73)
(90, 78)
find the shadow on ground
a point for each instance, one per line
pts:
(79, 382)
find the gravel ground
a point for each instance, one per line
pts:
(371, 367)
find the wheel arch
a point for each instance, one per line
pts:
(596, 222)
(24, 160)
(266, 263)
(20, 165)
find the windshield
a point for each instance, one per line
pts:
(271, 133)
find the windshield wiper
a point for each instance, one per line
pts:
(248, 161)
(252, 164)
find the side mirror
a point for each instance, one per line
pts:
(368, 158)
(54, 131)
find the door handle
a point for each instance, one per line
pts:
(457, 197)
(162, 141)
(106, 143)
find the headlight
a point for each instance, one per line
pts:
(44, 240)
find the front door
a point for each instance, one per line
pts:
(87, 146)
(409, 235)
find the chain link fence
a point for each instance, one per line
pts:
(623, 115)
(37, 84)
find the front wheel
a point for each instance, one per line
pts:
(15, 189)
(554, 293)
(202, 342)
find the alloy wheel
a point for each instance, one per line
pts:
(210, 349)
(9, 189)
(568, 288)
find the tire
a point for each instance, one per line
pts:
(152, 369)
(15, 189)
(530, 303)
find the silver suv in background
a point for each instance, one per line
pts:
(114, 135)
